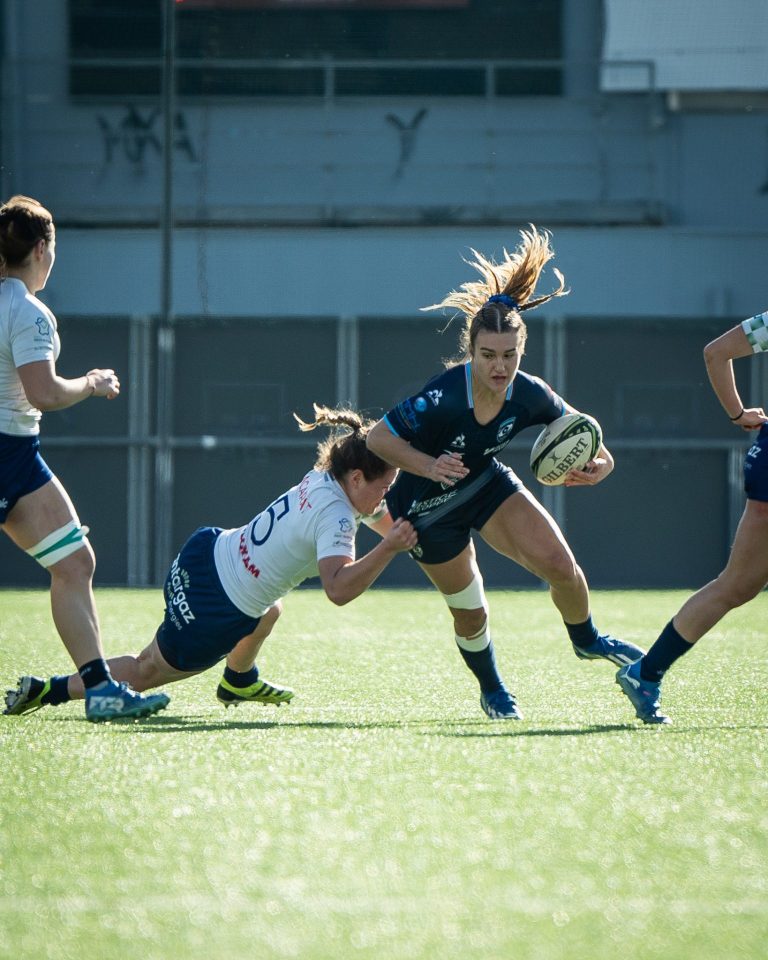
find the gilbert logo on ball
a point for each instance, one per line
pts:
(566, 444)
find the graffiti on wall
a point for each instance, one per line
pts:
(406, 132)
(137, 135)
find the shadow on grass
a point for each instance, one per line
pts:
(459, 729)
(194, 724)
(431, 728)
(523, 730)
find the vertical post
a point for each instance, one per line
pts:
(13, 88)
(165, 331)
(139, 527)
(347, 360)
(553, 498)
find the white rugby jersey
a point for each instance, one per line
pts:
(27, 333)
(756, 329)
(264, 560)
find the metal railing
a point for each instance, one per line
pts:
(330, 79)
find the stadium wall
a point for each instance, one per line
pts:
(306, 236)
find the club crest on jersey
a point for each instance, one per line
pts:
(435, 396)
(505, 429)
(458, 443)
(43, 327)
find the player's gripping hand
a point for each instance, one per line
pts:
(401, 536)
(448, 468)
(104, 382)
(590, 474)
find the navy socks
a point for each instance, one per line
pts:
(241, 679)
(669, 647)
(483, 664)
(58, 693)
(582, 634)
(94, 672)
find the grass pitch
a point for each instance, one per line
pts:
(381, 815)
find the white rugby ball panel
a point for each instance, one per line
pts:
(566, 444)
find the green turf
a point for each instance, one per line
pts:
(381, 815)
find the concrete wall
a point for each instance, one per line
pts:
(331, 222)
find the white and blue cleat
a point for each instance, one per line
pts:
(500, 705)
(644, 695)
(118, 701)
(607, 647)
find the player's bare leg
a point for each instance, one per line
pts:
(522, 530)
(744, 576)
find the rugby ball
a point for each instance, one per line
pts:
(565, 444)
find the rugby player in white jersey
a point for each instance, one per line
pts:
(223, 590)
(36, 512)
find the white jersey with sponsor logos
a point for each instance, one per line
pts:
(264, 560)
(27, 333)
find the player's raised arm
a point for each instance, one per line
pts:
(719, 355)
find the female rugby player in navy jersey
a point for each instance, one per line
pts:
(36, 512)
(445, 440)
(223, 590)
(746, 572)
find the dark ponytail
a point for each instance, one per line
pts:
(345, 449)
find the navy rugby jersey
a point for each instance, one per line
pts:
(441, 419)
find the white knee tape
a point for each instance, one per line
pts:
(59, 544)
(470, 598)
(477, 643)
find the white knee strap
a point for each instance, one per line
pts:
(59, 544)
(471, 597)
(477, 643)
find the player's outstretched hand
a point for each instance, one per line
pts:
(448, 468)
(590, 474)
(104, 382)
(401, 536)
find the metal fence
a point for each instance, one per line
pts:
(664, 518)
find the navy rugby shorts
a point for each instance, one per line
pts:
(445, 531)
(756, 467)
(201, 623)
(22, 470)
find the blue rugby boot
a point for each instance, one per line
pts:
(607, 647)
(27, 697)
(500, 705)
(644, 695)
(262, 691)
(117, 701)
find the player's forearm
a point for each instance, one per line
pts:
(720, 372)
(718, 357)
(398, 452)
(60, 393)
(605, 454)
(353, 579)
